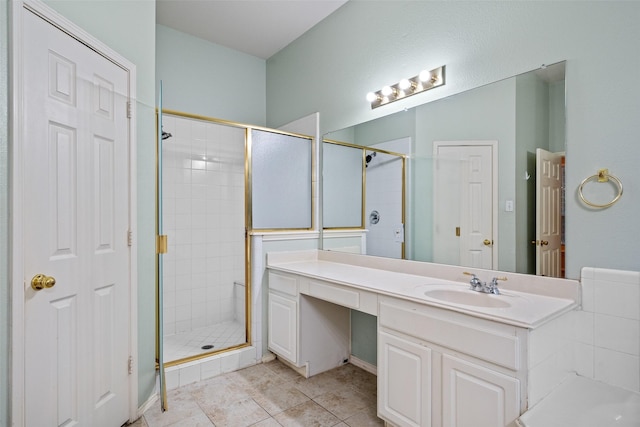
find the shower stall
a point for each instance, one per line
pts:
(219, 183)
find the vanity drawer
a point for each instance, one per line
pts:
(283, 283)
(345, 296)
(486, 340)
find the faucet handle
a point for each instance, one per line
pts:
(493, 286)
(474, 282)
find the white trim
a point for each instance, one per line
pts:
(146, 405)
(340, 233)
(17, 286)
(366, 366)
(16, 187)
(285, 235)
(133, 249)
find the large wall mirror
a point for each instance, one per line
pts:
(479, 174)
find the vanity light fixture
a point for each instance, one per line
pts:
(406, 87)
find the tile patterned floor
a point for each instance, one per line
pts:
(272, 395)
(186, 344)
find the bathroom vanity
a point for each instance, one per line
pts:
(447, 355)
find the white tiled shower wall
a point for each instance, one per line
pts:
(607, 339)
(203, 215)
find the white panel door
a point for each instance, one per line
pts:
(472, 202)
(548, 239)
(76, 204)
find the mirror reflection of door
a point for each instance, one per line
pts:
(548, 239)
(464, 212)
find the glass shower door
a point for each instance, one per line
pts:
(203, 215)
(161, 248)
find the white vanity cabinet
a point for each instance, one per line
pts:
(313, 335)
(441, 368)
(440, 363)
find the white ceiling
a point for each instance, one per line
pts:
(257, 27)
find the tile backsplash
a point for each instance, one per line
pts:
(607, 330)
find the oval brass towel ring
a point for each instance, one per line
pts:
(601, 176)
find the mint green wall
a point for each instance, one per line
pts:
(4, 218)
(364, 336)
(203, 78)
(557, 117)
(129, 28)
(365, 45)
(384, 129)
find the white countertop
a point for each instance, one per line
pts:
(522, 309)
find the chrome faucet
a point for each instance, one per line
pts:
(492, 287)
(479, 286)
(475, 283)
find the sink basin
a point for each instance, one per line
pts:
(467, 297)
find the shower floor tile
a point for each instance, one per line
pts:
(187, 344)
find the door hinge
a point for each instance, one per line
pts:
(130, 365)
(128, 109)
(129, 238)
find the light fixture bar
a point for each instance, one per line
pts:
(406, 87)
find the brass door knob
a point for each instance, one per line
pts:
(487, 242)
(540, 242)
(40, 281)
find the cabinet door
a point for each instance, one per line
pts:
(283, 327)
(476, 396)
(404, 381)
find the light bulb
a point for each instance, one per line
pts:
(404, 84)
(425, 76)
(386, 91)
(371, 97)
